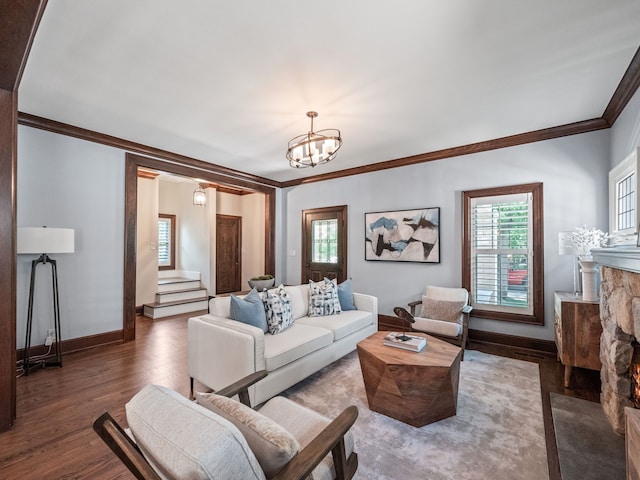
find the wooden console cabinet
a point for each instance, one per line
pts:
(577, 331)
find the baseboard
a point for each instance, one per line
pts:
(513, 342)
(140, 310)
(546, 347)
(77, 344)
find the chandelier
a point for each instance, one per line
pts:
(199, 197)
(313, 148)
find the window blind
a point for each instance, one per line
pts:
(164, 242)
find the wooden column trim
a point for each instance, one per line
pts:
(18, 24)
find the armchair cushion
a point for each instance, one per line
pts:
(278, 308)
(304, 424)
(323, 298)
(272, 445)
(439, 327)
(176, 436)
(444, 310)
(249, 310)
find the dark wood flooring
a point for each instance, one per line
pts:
(56, 407)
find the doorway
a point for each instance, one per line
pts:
(228, 253)
(324, 244)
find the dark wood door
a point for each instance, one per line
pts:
(324, 243)
(228, 248)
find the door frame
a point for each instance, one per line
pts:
(342, 238)
(132, 162)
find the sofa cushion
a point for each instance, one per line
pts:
(323, 298)
(430, 325)
(299, 295)
(249, 310)
(305, 424)
(295, 342)
(277, 306)
(345, 295)
(272, 445)
(447, 311)
(341, 325)
(184, 440)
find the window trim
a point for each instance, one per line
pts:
(172, 249)
(537, 286)
(625, 168)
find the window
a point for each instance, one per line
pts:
(503, 252)
(166, 241)
(623, 201)
(324, 241)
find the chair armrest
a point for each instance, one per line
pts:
(331, 439)
(413, 306)
(124, 448)
(241, 387)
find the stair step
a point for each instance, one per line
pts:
(161, 310)
(177, 283)
(175, 295)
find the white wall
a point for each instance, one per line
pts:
(625, 133)
(65, 182)
(574, 173)
(147, 241)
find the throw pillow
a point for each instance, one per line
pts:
(249, 310)
(345, 295)
(441, 309)
(272, 445)
(278, 310)
(323, 298)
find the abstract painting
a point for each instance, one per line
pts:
(403, 235)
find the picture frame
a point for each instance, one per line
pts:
(403, 235)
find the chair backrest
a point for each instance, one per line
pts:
(448, 294)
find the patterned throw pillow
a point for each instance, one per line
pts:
(323, 298)
(441, 309)
(277, 306)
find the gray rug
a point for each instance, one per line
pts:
(588, 448)
(497, 434)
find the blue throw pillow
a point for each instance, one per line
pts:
(345, 295)
(249, 310)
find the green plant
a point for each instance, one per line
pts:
(262, 277)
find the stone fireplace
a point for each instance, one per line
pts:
(620, 317)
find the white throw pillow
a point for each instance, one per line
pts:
(277, 307)
(323, 298)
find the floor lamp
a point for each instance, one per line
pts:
(38, 240)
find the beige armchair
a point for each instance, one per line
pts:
(442, 312)
(218, 437)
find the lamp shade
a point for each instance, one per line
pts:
(39, 240)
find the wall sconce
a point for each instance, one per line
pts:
(200, 197)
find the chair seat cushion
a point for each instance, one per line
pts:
(272, 445)
(293, 343)
(305, 425)
(182, 439)
(429, 325)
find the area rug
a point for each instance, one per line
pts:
(498, 432)
(588, 448)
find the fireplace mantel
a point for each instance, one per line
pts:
(623, 258)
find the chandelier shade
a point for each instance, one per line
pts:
(199, 197)
(313, 148)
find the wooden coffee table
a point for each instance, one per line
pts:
(415, 388)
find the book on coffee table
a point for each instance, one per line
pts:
(413, 342)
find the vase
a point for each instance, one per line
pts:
(589, 280)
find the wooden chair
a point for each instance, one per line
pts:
(444, 314)
(330, 440)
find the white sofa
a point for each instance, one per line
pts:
(222, 350)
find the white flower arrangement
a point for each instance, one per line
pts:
(584, 240)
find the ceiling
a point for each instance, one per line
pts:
(230, 82)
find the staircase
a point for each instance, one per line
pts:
(178, 292)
